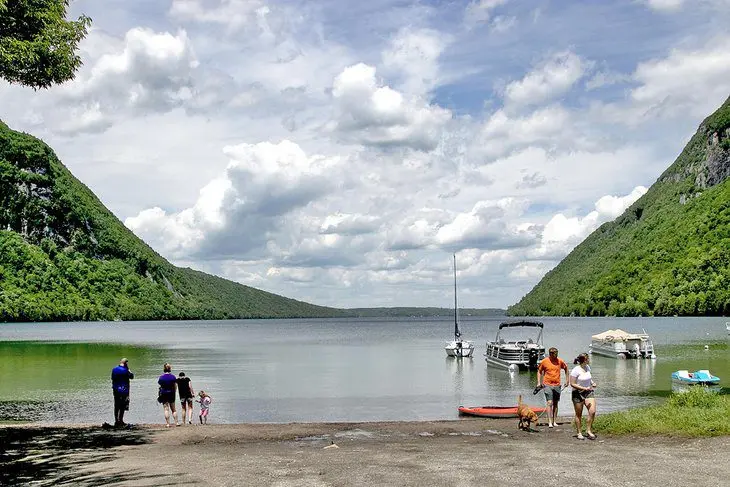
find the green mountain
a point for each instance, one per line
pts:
(668, 254)
(65, 256)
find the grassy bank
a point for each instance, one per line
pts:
(697, 412)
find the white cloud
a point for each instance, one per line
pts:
(413, 56)
(372, 114)
(561, 234)
(480, 11)
(486, 226)
(235, 212)
(232, 14)
(347, 224)
(550, 79)
(146, 72)
(606, 78)
(503, 133)
(665, 5)
(425, 152)
(692, 81)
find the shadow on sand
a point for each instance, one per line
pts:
(57, 456)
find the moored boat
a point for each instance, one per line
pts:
(621, 344)
(458, 347)
(699, 377)
(494, 411)
(522, 353)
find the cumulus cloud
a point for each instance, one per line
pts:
(412, 57)
(373, 114)
(487, 225)
(550, 79)
(503, 133)
(235, 212)
(152, 71)
(424, 155)
(147, 72)
(685, 81)
(348, 224)
(413, 232)
(561, 234)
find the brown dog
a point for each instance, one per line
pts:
(525, 414)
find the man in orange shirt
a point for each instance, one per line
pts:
(548, 378)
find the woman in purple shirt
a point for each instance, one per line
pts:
(166, 395)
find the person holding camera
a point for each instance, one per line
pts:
(120, 387)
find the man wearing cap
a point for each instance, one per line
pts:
(120, 386)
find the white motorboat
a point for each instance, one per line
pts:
(620, 344)
(521, 353)
(458, 347)
(727, 327)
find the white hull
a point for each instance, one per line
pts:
(639, 349)
(454, 350)
(508, 355)
(519, 352)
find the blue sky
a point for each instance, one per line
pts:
(337, 152)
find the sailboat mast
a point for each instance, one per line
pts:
(457, 334)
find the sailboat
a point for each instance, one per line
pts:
(457, 347)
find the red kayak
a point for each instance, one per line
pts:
(494, 411)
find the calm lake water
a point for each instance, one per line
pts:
(323, 370)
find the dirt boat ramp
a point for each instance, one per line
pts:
(465, 452)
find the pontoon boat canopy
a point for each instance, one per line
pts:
(508, 324)
(617, 335)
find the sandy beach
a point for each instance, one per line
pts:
(442, 453)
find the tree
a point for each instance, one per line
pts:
(37, 44)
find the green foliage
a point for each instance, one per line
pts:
(37, 44)
(697, 412)
(695, 397)
(64, 256)
(668, 254)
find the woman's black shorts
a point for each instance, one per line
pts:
(580, 396)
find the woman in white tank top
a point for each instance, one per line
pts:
(582, 382)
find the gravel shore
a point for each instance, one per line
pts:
(464, 452)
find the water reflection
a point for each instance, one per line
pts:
(66, 381)
(631, 376)
(323, 370)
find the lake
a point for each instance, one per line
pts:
(317, 370)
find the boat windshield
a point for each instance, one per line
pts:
(520, 333)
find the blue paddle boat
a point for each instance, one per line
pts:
(699, 377)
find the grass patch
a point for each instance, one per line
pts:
(697, 412)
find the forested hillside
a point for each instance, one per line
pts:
(668, 254)
(65, 256)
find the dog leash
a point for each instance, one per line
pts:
(538, 389)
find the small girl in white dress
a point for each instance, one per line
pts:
(204, 401)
